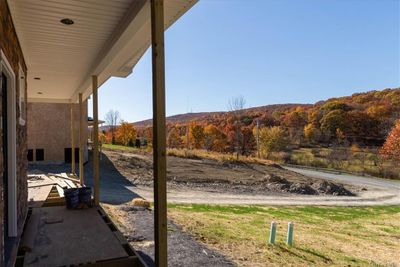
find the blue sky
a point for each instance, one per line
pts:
(268, 51)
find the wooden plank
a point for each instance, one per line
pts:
(32, 185)
(60, 191)
(60, 182)
(96, 171)
(70, 184)
(38, 195)
(159, 133)
(81, 139)
(67, 178)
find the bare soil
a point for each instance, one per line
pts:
(224, 176)
(136, 224)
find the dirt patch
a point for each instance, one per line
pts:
(223, 176)
(332, 189)
(136, 224)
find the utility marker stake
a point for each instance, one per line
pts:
(272, 233)
(289, 240)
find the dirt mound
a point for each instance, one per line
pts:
(330, 188)
(272, 178)
(312, 188)
(222, 176)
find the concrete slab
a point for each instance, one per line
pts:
(81, 236)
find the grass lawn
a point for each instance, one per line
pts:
(323, 236)
(120, 147)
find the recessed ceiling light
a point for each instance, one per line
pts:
(37, 78)
(40, 93)
(67, 21)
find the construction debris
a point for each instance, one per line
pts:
(48, 189)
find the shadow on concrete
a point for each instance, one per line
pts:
(113, 185)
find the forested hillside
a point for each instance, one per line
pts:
(358, 133)
(364, 119)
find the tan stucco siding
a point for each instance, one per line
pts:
(49, 128)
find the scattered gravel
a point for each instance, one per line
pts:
(136, 224)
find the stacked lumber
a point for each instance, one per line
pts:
(48, 189)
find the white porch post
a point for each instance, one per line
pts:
(96, 171)
(81, 139)
(72, 140)
(159, 138)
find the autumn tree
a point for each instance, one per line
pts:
(230, 133)
(125, 133)
(335, 119)
(362, 127)
(295, 122)
(391, 147)
(312, 133)
(248, 142)
(196, 135)
(112, 119)
(215, 139)
(174, 139)
(236, 106)
(272, 139)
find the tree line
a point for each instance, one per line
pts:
(363, 119)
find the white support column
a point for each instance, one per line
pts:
(96, 171)
(159, 138)
(81, 139)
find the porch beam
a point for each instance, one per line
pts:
(96, 171)
(159, 137)
(81, 139)
(72, 140)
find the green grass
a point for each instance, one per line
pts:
(120, 147)
(324, 236)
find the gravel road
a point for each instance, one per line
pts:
(379, 192)
(117, 189)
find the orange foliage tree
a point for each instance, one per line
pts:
(125, 134)
(174, 139)
(214, 138)
(391, 147)
(196, 134)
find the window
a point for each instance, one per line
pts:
(30, 154)
(39, 154)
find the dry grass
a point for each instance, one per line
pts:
(324, 236)
(204, 154)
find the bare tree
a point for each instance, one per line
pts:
(236, 106)
(112, 118)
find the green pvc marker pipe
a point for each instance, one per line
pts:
(289, 240)
(272, 233)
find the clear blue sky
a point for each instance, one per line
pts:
(269, 51)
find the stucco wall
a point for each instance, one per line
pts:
(10, 46)
(49, 128)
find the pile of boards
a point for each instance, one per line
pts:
(48, 189)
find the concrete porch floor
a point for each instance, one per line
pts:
(76, 237)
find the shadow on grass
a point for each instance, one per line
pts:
(291, 252)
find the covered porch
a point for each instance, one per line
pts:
(71, 48)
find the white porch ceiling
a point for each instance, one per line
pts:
(107, 39)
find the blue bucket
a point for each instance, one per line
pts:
(71, 197)
(85, 195)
